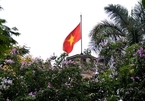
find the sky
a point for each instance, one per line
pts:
(44, 24)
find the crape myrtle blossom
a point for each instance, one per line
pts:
(102, 43)
(30, 63)
(137, 78)
(132, 78)
(140, 52)
(9, 61)
(23, 65)
(8, 81)
(1, 65)
(142, 42)
(134, 54)
(105, 99)
(127, 93)
(5, 83)
(14, 51)
(67, 84)
(123, 39)
(32, 94)
(96, 80)
(35, 60)
(68, 62)
(8, 99)
(49, 85)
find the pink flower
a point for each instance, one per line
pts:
(51, 68)
(30, 63)
(8, 99)
(142, 43)
(65, 62)
(14, 51)
(36, 60)
(143, 55)
(22, 66)
(67, 84)
(132, 78)
(96, 80)
(134, 54)
(105, 99)
(141, 48)
(0, 65)
(140, 52)
(137, 77)
(126, 93)
(48, 86)
(9, 61)
(56, 91)
(102, 43)
(101, 71)
(31, 94)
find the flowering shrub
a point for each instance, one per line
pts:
(23, 78)
(128, 73)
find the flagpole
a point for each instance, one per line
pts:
(81, 32)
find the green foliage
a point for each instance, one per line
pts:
(6, 39)
(119, 76)
(121, 25)
(143, 3)
(38, 80)
(87, 51)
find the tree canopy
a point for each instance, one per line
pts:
(6, 39)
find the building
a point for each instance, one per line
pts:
(87, 64)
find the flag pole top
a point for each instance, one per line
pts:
(81, 32)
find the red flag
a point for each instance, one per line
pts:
(71, 39)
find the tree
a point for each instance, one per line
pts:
(143, 3)
(6, 39)
(121, 42)
(37, 80)
(121, 24)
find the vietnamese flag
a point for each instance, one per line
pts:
(71, 39)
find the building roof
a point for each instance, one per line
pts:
(81, 56)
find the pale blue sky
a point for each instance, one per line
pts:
(44, 24)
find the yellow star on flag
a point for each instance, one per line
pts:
(71, 40)
(73, 37)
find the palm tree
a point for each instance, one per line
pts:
(121, 25)
(143, 3)
(6, 39)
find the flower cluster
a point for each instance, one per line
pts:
(23, 65)
(140, 52)
(69, 62)
(9, 61)
(49, 85)
(135, 78)
(102, 43)
(14, 51)
(32, 94)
